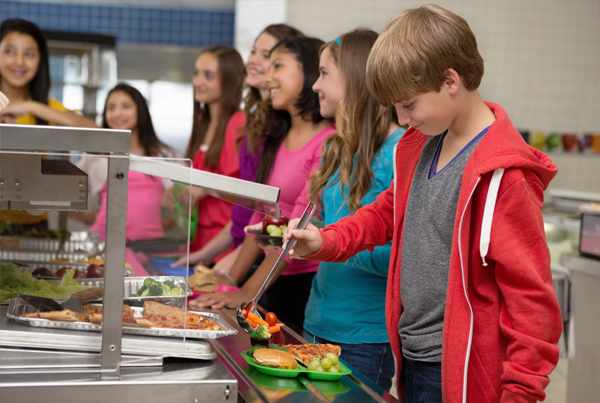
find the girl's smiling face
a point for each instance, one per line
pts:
(207, 80)
(329, 85)
(285, 80)
(121, 111)
(258, 61)
(19, 59)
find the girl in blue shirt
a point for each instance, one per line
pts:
(347, 301)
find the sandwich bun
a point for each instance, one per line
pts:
(275, 358)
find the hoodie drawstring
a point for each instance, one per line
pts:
(488, 213)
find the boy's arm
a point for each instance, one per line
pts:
(371, 226)
(529, 315)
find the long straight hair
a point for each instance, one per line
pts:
(279, 122)
(362, 123)
(146, 134)
(255, 108)
(39, 86)
(231, 75)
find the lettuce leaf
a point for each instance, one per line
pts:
(13, 279)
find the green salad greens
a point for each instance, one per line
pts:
(13, 280)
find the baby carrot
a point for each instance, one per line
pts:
(251, 322)
(257, 319)
(274, 329)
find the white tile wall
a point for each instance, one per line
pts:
(542, 60)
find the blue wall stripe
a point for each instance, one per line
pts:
(188, 27)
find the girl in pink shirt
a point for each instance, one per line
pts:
(292, 151)
(218, 78)
(126, 109)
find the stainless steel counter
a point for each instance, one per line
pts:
(228, 378)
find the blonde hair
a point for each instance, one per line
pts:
(415, 50)
(362, 123)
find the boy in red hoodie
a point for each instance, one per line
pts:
(471, 312)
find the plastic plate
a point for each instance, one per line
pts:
(268, 239)
(292, 373)
(279, 372)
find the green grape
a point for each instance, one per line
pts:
(334, 369)
(276, 232)
(282, 227)
(326, 363)
(338, 366)
(271, 228)
(313, 365)
(319, 369)
(317, 359)
(332, 357)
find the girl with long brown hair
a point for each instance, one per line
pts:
(217, 81)
(291, 152)
(256, 105)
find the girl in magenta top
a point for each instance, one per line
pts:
(256, 104)
(291, 152)
(217, 81)
(126, 109)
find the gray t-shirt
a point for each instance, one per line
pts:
(426, 248)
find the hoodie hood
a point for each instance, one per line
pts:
(509, 150)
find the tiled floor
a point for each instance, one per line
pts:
(556, 392)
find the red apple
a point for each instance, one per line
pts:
(43, 272)
(79, 274)
(94, 271)
(62, 271)
(270, 220)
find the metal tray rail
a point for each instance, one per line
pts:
(52, 245)
(21, 254)
(18, 307)
(133, 284)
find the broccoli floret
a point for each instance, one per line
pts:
(144, 293)
(149, 281)
(155, 290)
(170, 284)
(261, 333)
(140, 291)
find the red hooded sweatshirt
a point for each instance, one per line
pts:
(502, 321)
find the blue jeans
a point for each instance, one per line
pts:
(375, 361)
(422, 381)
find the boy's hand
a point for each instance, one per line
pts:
(309, 239)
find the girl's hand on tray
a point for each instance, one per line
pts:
(220, 300)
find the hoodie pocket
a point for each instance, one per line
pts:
(482, 387)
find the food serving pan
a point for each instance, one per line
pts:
(18, 307)
(78, 242)
(133, 284)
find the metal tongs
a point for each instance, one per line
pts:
(250, 306)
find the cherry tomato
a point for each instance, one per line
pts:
(245, 313)
(271, 319)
